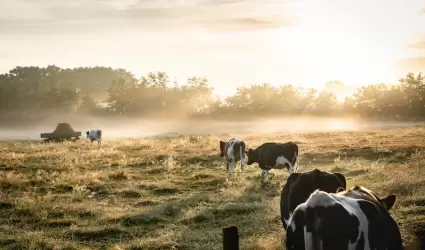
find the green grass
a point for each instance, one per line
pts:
(172, 193)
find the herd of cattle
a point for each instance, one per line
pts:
(317, 210)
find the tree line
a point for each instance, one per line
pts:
(108, 91)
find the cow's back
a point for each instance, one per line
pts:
(269, 151)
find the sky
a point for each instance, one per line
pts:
(231, 42)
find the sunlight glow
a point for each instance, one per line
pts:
(305, 42)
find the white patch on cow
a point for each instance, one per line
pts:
(287, 221)
(351, 205)
(320, 198)
(290, 222)
(231, 157)
(281, 160)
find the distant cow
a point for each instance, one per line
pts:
(94, 135)
(299, 186)
(233, 151)
(274, 155)
(355, 219)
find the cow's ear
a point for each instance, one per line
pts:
(389, 201)
(342, 179)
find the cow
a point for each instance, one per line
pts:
(299, 186)
(354, 220)
(274, 155)
(95, 135)
(233, 151)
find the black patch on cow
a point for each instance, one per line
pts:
(99, 133)
(299, 186)
(87, 133)
(332, 225)
(383, 230)
(337, 227)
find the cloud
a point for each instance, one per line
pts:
(45, 16)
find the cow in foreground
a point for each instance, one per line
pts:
(233, 151)
(354, 220)
(94, 135)
(274, 155)
(299, 186)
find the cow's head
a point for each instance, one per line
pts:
(252, 156)
(87, 133)
(222, 148)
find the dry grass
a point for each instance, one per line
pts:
(171, 193)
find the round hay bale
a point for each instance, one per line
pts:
(64, 128)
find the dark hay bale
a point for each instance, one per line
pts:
(63, 128)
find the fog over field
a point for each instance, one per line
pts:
(116, 128)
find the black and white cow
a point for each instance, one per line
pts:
(233, 151)
(274, 155)
(94, 135)
(299, 186)
(354, 220)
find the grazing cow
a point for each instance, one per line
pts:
(299, 186)
(274, 155)
(233, 151)
(354, 220)
(94, 135)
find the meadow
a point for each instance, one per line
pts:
(171, 192)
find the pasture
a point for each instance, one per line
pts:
(171, 192)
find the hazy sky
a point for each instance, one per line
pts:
(232, 42)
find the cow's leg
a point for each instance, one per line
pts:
(242, 169)
(264, 173)
(229, 167)
(242, 157)
(242, 165)
(232, 167)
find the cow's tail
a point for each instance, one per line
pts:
(242, 154)
(295, 160)
(99, 133)
(241, 147)
(313, 240)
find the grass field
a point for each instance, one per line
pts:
(171, 193)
